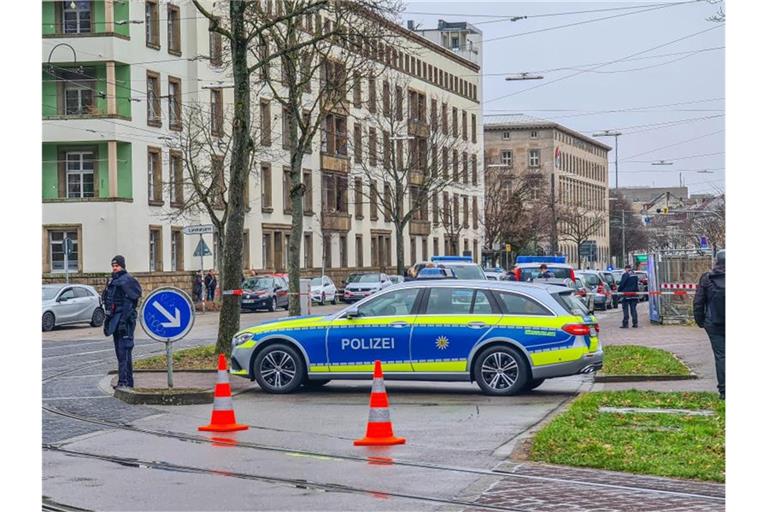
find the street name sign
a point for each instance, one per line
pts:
(167, 314)
(202, 229)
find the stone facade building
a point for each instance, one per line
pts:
(578, 163)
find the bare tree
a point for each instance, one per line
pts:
(344, 42)
(627, 231)
(578, 224)
(403, 158)
(511, 216)
(708, 220)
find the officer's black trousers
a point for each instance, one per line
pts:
(718, 349)
(123, 349)
(629, 306)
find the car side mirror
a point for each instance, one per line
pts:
(62, 299)
(352, 313)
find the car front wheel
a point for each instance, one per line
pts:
(501, 371)
(279, 369)
(49, 321)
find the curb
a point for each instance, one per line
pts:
(161, 396)
(114, 372)
(643, 378)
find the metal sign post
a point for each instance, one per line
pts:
(201, 249)
(167, 315)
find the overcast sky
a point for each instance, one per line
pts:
(681, 95)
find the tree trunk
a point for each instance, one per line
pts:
(297, 215)
(400, 249)
(231, 269)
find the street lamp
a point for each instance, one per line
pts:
(623, 234)
(615, 134)
(523, 76)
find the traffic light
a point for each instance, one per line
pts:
(665, 210)
(658, 210)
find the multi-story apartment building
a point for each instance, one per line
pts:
(117, 75)
(578, 163)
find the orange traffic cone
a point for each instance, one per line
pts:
(223, 416)
(379, 432)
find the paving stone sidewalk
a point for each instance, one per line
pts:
(689, 343)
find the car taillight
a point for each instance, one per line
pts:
(597, 327)
(518, 274)
(577, 329)
(573, 275)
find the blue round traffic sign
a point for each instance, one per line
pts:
(167, 314)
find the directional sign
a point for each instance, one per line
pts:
(167, 314)
(201, 229)
(202, 249)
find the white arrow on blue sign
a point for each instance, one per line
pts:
(167, 314)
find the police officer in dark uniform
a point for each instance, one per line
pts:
(709, 313)
(630, 285)
(120, 299)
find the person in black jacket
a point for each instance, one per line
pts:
(709, 313)
(629, 285)
(120, 299)
(197, 287)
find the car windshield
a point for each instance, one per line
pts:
(571, 303)
(533, 272)
(467, 271)
(364, 278)
(255, 284)
(317, 281)
(608, 278)
(590, 279)
(50, 293)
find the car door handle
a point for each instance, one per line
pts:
(477, 325)
(399, 324)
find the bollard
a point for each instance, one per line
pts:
(305, 296)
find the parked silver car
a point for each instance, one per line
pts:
(65, 304)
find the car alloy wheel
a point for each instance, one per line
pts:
(98, 317)
(273, 304)
(279, 369)
(49, 321)
(501, 370)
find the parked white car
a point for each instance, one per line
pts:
(65, 304)
(323, 289)
(364, 284)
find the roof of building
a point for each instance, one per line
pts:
(647, 194)
(526, 122)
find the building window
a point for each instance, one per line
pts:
(357, 93)
(417, 107)
(398, 103)
(372, 152)
(152, 23)
(153, 99)
(174, 103)
(79, 91)
(76, 17)
(455, 166)
(387, 203)
(465, 211)
(56, 247)
(217, 112)
(435, 209)
(358, 143)
(334, 193)
(265, 113)
(436, 246)
(267, 256)
(358, 198)
(386, 101)
(177, 249)
(464, 125)
(334, 135)
(505, 135)
(266, 187)
(424, 248)
(474, 128)
(372, 95)
(307, 198)
(444, 118)
(359, 250)
(464, 168)
(413, 250)
(455, 112)
(327, 256)
(475, 213)
(154, 176)
(506, 158)
(474, 169)
(174, 30)
(155, 249)
(80, 174)
(534, 134)
(343, 251)
(176, 185)
(287, 124)
(215, 48)
(374, 199)
(534, 158)
(307, 250)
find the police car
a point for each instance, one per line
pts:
(507, 337)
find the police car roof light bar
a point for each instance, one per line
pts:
(446, 259)
(540, 259)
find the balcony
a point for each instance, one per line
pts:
(335, 221)
(419, 227)
(338, 163)
(86, 92)
(416, 177)
(97, 18)
(418, 128)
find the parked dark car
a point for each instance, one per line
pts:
(613, 283)
(594, 281)
(264, 292)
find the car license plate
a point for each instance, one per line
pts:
(592, 331)
(248, 301)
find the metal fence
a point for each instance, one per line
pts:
(675, 268)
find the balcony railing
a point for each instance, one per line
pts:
(335, 221)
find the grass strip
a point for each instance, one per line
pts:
(667, 445)
(637, 360)
(197, 358)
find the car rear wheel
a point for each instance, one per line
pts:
(97, 319)
(49, 321)
(279, 369)
(322, 299)
(501, 371)
(335, 300)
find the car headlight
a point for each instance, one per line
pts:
(241, 338)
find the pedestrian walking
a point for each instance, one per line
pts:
(197, 287)
(210, 285)
(709, 314)
(629, 286)
(120, 299)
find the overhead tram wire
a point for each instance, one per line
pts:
(672, 145)
(606, 64)
(678, 158)
(609, 111)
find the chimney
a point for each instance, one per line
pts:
(410, 25)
